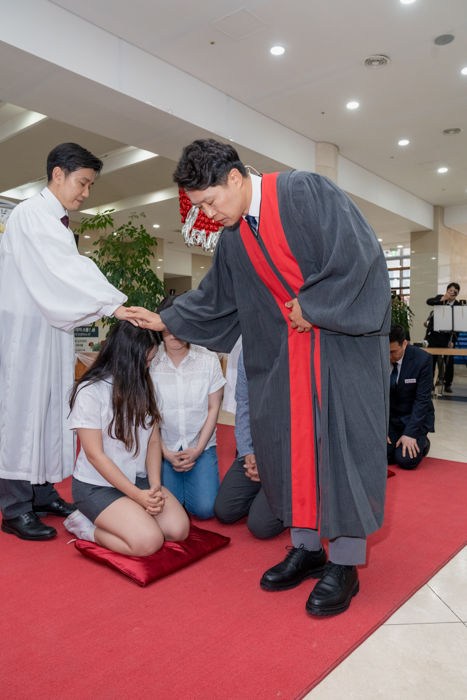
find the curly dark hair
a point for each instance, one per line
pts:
(206, 163)
(123, 360)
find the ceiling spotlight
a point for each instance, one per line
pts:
(464, 71)
(400, 246)
(277, 50)
(433, 258)
(160, 259)
(407, 2)
(442, 170)
(88, 252)
(87, 236)
(155, 226)
(404, 142)
(352, 105)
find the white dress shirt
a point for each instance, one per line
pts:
(255, 205)
(182, 394)
(93, 409)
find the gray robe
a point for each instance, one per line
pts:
(346, 295)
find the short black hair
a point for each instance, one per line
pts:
(397, 334)
(166, 302)
(455, 285)
(206, 163)
(70, 157)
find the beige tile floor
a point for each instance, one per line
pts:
(420, 653)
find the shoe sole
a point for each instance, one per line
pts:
(274, 587)
(44, 514)
(10, 531)
(336, 610)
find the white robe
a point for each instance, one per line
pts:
(46, 290)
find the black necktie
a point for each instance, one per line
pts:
(394, 374)
(65, 220)
(253, 224)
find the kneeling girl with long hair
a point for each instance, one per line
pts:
(116, 482)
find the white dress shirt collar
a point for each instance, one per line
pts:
(57, 208)
(255, 205)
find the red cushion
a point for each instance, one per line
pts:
(172, 556)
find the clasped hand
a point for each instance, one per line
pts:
(295, 317)
(184, 460)
(251, 468)
(153, 500)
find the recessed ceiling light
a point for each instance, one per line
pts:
(202, 267)
(407, 2)
(464, 71)
(380, 239)
(277, 50)
(158, 267)
(155, 226)
(404, 142)
(87, 236)
(88, 252)
(433, 258)
(442, 170)
(400, 246)
(160, 259)
(352, 105)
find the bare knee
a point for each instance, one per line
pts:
(147, 544)
(178, 532)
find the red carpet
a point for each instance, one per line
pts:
(74, 630)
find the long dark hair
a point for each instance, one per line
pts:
(123, 359)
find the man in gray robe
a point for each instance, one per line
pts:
(300, 274)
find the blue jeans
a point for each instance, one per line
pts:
(197, 488)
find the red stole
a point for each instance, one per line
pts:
(305, 506)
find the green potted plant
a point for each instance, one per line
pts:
(124, 256)
(401, 313)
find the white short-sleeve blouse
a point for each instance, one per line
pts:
(93, 409)
(182, 394)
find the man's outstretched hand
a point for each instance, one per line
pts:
(144, 318)
(295, 317)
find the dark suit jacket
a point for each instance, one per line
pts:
(411, 407)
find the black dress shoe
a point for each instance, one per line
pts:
(298, 565)
(58, 507)
(28, 527)
(426, 449)
(447, 389)
(333, 594)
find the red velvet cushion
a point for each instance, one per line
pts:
(172, 556)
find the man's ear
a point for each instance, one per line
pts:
(58, 175)
(236, 178)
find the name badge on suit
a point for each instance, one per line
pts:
(410, 381)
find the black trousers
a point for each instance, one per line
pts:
(17, 497)
(239, 496)
(395, 454)
(448, 368)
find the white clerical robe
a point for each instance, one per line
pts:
(46, 290)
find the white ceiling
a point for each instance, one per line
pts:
(420, 93)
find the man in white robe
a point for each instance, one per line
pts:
(47, 289)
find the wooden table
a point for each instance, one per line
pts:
(447, 351)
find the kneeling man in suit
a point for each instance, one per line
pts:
(411, 415)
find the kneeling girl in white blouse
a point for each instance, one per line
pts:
(117, 478)
(189, 385)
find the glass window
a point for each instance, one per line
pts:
(395, 284)
(406, 251)
(393, 264)
(406, 262)
(405, 273)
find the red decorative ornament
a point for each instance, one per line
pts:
(197, 229)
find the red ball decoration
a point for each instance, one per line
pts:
(202, 222)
